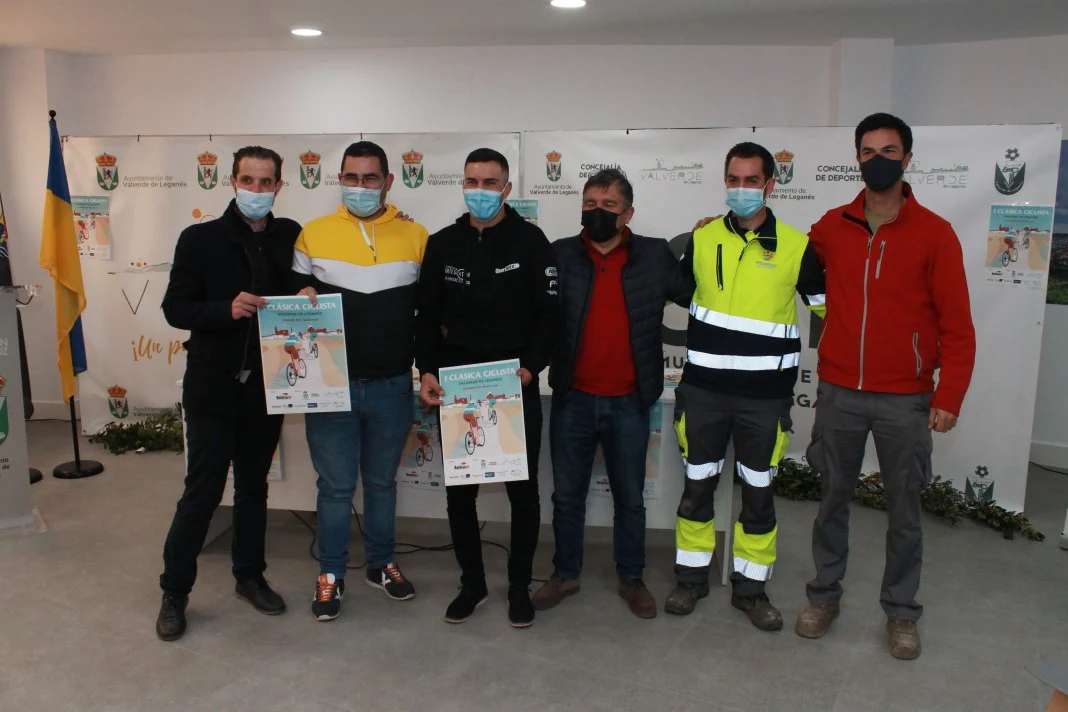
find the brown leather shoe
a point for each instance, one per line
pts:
(556, 590)
(762, 614)
(642, 603)
(815, 620)
(904, 639)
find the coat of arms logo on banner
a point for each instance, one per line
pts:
(107, 171)
(4, 427)
(553, 168)
(980, 489)
(784, 167)
(413, 168)
(1009, 175)
(117, 402)
(311, 173)
(207, 170)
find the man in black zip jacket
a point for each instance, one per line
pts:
(607, 373)
(222, 269)
(487, 292)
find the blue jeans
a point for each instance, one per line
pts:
(369, 439)
(578, 423)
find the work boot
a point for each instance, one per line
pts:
(904, 639)
(554, 591)
(685, 596)
(762, 614)
(642, 603)
(170, 625)
(815, 620)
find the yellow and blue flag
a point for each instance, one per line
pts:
(59, 255)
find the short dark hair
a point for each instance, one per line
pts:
(487, 155)
(367, 149)
(263, 154)
(748, 149)
(884, 121)
(611, 177)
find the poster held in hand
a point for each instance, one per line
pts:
(482, 429)
(305, 368)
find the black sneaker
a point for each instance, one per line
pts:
(464, 605)
(170, 625)
(520, 608)
(390, 579)
(326, 606)
(262, 597)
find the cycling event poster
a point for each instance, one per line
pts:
(482, 433)
(305, 369)
(1018, 243)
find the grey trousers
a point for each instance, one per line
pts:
(899, 426)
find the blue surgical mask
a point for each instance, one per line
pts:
(483, 204)
(745, 202)
(361, 202)
(254, 206)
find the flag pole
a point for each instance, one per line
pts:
(78, 468)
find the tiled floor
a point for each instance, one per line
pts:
(77, 607)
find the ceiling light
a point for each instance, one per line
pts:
(569, 4)
(306, 32)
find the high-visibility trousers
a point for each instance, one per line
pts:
(760, 427)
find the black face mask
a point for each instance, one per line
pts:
(881, 173)
(600, 224)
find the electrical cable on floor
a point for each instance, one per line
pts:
(410, 548)
(1049, 469)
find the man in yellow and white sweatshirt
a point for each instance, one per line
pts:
(371, 256)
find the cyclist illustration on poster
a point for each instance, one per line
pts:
(303, 349)
(420, 465)
(482, 432)
(1018, 243)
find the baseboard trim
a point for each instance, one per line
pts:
(1049, 454)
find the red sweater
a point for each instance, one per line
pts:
(605, 365)
(897, 304)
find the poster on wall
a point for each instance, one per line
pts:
(1018, 245)
(527, 209)
(482, 427)
(599, 484)
(92, 224)
(305, 368)
(421, 461)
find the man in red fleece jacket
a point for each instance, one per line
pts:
(897, 311)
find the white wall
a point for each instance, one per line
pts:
(23, 169)
(1020, 81)
(1006, 81)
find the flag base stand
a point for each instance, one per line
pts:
(77, 470)
(35, 476)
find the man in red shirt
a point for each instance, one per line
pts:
(608, 370)
(897, 310)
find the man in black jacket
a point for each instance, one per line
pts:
(222, 269)
(487, 292)
(608, 370)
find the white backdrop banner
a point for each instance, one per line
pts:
(158, 186)
(677, 178)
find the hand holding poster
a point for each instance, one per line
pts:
(305, 369)
(482, 431)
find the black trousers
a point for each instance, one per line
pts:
(212, 443)
(526, 512)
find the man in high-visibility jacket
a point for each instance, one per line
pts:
(743, 348)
